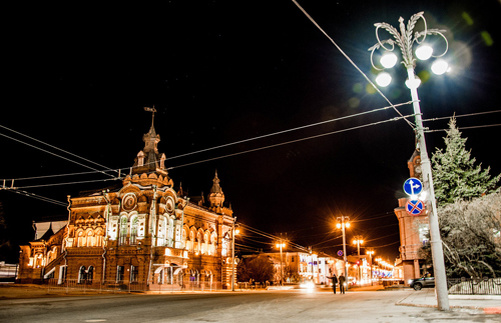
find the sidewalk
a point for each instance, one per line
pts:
(487, 304)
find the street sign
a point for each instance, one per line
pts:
(414, 207)
(340, 253)
(413, 186)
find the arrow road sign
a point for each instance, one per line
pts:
(414, 207)
(413, 186)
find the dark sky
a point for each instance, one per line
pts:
(218, 72)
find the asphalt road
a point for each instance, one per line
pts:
(240, 307)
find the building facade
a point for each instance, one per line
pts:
(299, 266)
(142, 232)
(413, 229)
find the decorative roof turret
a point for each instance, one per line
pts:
(216, 196)
(149, 159)
(149, 165)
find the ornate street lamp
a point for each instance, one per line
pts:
(343, 223)
(281, 245)
(405, 41)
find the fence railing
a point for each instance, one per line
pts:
(474, 286)
(8, 272)
(113, 286)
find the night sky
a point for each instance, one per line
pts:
(219, 72)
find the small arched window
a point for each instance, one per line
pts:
(123, 231)
(133, 230)
(82, 275)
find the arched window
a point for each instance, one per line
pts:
(170, 230)
(213, 241)
(81, 239)
(133, 230)
(162, 231)
(90, 274)
(82, 275)
(122, 239)
(199, 242)
(90, 239)
(99, 236)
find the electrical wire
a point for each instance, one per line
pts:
(36, 196)
(290, 130)
(216, 147)
(464, 128)
(351, 61)
(54, 147)
(461, 115)
(289, 142)
(54, 154)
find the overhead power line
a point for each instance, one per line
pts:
(52, 153)
(462, 115)
(290, 142)
(38, 197)
(351, 62)
(464, 128)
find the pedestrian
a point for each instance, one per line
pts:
(334, 283)
(342, 282)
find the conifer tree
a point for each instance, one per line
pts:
(456, 178)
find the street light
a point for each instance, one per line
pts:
(405, 41)
(235, 231)
(343, 223)
(281, 245)
(358, 241)
(370, 252)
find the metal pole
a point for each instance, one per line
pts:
(233, 258)
(344, 253)
(281, 267)
(436, 242)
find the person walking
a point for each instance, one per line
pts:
(334, 283)
(342, 281)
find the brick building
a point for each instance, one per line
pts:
(142, 232)
(413, 229)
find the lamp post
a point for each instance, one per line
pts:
(281, 245)
(405, 41)
(343, 223)
(235, 231)
(358, 241)
(370, 252)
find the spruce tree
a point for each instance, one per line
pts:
(455, 175)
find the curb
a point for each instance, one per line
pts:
(492, 310)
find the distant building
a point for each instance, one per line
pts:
(413, 230)
(141, 232)
(299, 266)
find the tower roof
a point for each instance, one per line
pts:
(149, 159)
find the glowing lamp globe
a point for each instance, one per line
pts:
(424, 52)
(439, 67)
(388, 60)
(383, 79)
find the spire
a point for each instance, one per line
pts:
(149, 159)
(216, 196)
(216, 188)
(151, 139)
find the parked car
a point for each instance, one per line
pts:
(419, 283)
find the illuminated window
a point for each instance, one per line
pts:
(133, 231)
(123, 231)
(133, 274)
(82, 275)
(120, 273)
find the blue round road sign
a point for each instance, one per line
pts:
(414, 207)
(413, 186)
(340, 253)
